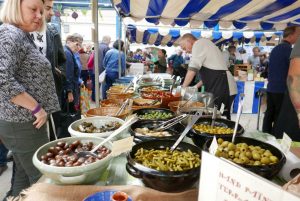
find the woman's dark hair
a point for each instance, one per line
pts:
(116, 44)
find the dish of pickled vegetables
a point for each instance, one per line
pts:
(148, 132)
(166, 160)
(88, 127)
(204, 128)
(243, 153)
(154, 115)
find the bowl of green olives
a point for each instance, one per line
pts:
(157, 114)
(259, 157)
(164, 170)
(202, 130)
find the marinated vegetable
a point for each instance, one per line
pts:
(165, 160)
(149, 132)
(88, 127)
(243, 153)
(154, 115)
(203, 128)
(65, 155)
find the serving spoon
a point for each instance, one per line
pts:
(127, 123)
(186, 130)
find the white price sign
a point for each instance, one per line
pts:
(223, 180)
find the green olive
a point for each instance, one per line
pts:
(231, 146)
(265, 160)
(256, 156)
(273, 159)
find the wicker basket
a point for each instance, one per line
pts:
(111, 103)
(107, 111)
(174, 105)
(136, 107)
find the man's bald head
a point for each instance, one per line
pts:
(187, 41)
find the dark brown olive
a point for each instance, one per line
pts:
(77, 164)
(44, 157)
(53, 150)
(44, 161)
(49, 155)
(68, 150)
(78, 150)
(58, 148)
(73, 158)
(69, 164)
(58, 157)
(81, 160)
(76, 143)
(62, 152)
(61, 144)
(61, 164)
(66, 146)
(52, 161)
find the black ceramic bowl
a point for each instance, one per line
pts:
(175, 130)
(266, 171)
(163, 180)
(199, 138)
(148, 110)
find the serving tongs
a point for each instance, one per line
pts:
(214, 116)
(238, 116)
(123, 106)
(168, 124)
(127, 123)
(187, 128)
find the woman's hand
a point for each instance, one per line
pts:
(70, 97)
(41, 118)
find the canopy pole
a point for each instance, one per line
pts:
(96, 50)
(120, 35)
(125, 41)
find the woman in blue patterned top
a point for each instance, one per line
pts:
(27, 89)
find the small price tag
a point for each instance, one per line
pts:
(286, 143)
(214, 146)
(222, 108)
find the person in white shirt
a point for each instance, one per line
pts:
(208, 60)
(254, 60)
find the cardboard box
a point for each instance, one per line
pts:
(241, 67)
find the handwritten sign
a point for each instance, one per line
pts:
(222, 180)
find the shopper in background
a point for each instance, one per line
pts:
(177, 62)
(161, 63)
(103, 48)
(71, 87)
(27, 88)
(84, 55)
(50, 45)
(279, 62)
(254, 59)
(111, 65)
(208, 60)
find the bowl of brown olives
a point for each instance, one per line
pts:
(59, 161)
(257, 156)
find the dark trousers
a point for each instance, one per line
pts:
(110, 78)
(92, 76)
(3, 154)
(227, 101)
(84, 76)
(274, 103)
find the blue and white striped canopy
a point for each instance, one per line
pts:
(155, 36)
(255, 14)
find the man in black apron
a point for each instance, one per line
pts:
(215, 76)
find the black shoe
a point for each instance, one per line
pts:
(2, 169)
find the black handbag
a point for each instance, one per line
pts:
(67, 116)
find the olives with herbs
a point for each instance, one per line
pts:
(155, 115)
(65, 155)
(203, 128)
(243, 153)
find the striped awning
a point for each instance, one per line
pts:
(170, 37)
(255, 14)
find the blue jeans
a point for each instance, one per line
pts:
(3, 154)
(110, 78)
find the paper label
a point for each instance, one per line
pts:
(122, 146)
(230, 182)
(286, 143)
(222, 108)
(214, 146)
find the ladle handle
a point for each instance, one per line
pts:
(116, 132)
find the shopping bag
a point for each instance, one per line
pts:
(102, 77)
(85, 98)
(67, 116)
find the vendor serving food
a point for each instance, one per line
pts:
(207, 59)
